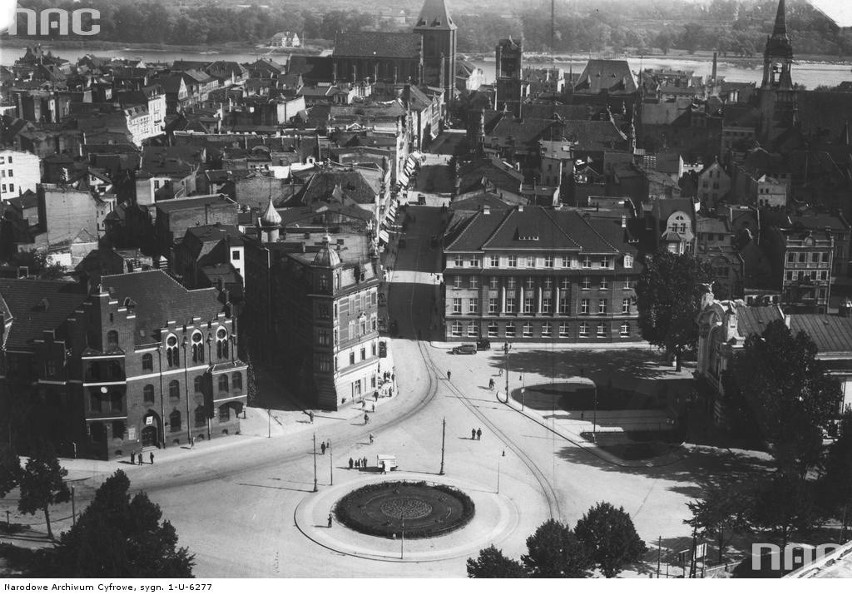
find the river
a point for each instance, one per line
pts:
(810, 74)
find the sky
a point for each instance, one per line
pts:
(840, 11)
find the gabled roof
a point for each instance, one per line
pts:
(613, 76)
(435, 16)
(753, 320)
(160, 299)
(36, 306)
(832, 334)
(372, 44)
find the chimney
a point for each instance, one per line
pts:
(715, 61)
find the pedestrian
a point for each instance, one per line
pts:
(449, 375)
(365, 462)
(375, 395)
(351, 463)
(311, 416)
(479, 434)
(490, 384)
(140, 461)
(322, 447)
(393, 377)
(357, 463)
(582, 415)
(191, 442)
(472, 434)
(366, 419)
(374, 406)
(132, 457)
(329, 520)
(372, 438)
(384, 468)
(151, 457)
(390, 392)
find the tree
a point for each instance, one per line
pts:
(835, 486)
(608, 533)
(554, 551)
(491, 563)
(787, 393)
(42, 484)
(783, 504)
(10, 470)
(664, 41)
(723, 510)
(120, 537)
(667, 298)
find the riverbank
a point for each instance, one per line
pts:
(93, 46)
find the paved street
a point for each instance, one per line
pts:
(245, 505)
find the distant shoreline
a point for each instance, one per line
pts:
(92, 46)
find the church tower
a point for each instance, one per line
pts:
(778, 55)
(436, 27)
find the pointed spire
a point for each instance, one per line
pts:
(780, 29)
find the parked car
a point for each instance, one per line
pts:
(483, 344)
(465, 349)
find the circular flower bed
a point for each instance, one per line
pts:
(424, 510)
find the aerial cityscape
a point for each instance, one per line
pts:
(543, 289)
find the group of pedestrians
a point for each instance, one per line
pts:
(136, 458)
(476, 434)
(325, 446)
(359, 463)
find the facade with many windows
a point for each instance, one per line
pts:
(538, 275)
(808, 261)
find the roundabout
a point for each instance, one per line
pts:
(440, 523)
(388, 508)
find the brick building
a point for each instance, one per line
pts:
(536, 274)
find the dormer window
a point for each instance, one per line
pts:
(628, 261)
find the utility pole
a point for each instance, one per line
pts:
(595, 418)
(315, 461)
(330, 464)
(659, 554)
(506, 348)
(73, 507)
(443, 443)
(402, 545)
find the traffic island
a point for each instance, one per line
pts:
(393, 508)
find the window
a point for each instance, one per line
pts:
(528, 330)
(492, 305)
(457, 282)
(458, 261)
(563, 330)
(546, 329)
(530, 262)
(174, 421)
(587, 283)
(602, 306)
(198, 385)
(803, 256)
(604, 283)
(627, 283)
(474, 282)
(351, 358)
(791, 257)
(628, 261)
(472, 331)
(825, 257)
(322, 336)
(493, 282)
(474, 260)
(625, 306)
(510, 304)
(564, 284)
(530, 283)
(112, 340)
(510, 283)
(625, 329)
(546, 304)
(473, 306)
(789, 275)
(457, 306)
(224, 414)
(147, 362)
(118, 429)
(814, 256)
(174, 389)
(200, 416)
(363, 353)
(148, 393)
(566, 262)
(115, 402)
(172, 353)
(548, 283)
(528, 306)
(584, 329)
(584, 306)
(493, 329)
(510, 329)
(495, 261)
(601, 329)
(513, 261)
(197, 348)
(587, 262)
(95, 402)
(457, 329)
(235, 255)
(548, 262)
(605, 262)
(222, 336)
(564, 304)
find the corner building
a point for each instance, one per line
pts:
(540, 275)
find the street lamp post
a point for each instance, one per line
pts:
(186, 392)
(443, 443)
(315, 462)
(595, 417)
(506, 348)
(402, 545)
(330, 464)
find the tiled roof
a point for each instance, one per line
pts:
(35, 306)
(832, 334)
(752, 320)
(160, 299)
(193, 202)
(351, 182)
(376, 44)
(434, 15)
(613, 76)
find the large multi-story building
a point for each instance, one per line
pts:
(807, 272)
(138, 362)
(19, 172)
(536, 274)
(312, 311)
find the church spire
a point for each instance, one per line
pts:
(780, 29)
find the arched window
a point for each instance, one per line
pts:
(148, 393)
(172, 353)
(199, 384)
(237, 380)
(200, 416)
(174, 420)
(174, 389)
(224, 413)
(147, 362)
(197, 348)
(112, 340)
(223, 383)
(221, 343)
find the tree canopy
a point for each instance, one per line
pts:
(609, 534)
(491, 563)
(119, 537)
(555, 552)
(667, 296)
(42, 483)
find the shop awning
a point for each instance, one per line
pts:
(384, 236)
